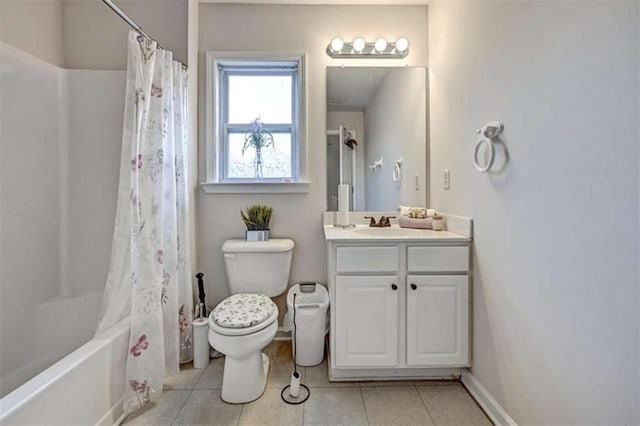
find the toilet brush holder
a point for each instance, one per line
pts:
(200, 343)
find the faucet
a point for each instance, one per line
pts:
(382, 223)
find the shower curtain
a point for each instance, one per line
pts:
(149, 276)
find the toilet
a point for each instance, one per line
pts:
(247, 321)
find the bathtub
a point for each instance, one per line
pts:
(85, 387)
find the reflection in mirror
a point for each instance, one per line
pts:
(377, 136)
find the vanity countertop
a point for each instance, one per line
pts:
(361, 233)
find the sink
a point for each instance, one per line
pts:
(390, 232)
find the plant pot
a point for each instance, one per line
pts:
(262, 235)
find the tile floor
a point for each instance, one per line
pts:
(193, 398)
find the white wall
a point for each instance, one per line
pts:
(31, 182)
(86, 34)
(556, 296)
(96, 38)
(60, 139)
(96, 111)
(291, 28)
(396, 127)
(34, 26)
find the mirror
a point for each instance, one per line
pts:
(377, 136)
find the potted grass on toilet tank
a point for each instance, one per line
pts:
(257, 218)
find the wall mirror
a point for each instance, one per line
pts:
(377, 136)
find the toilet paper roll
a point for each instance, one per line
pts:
(200, 343)
(342, 217)
(294, 387)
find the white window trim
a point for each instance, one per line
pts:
(214, 182)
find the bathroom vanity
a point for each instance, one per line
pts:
(400, 300)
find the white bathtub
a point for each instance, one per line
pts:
(84, 387)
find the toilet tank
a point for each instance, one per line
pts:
(258, 266)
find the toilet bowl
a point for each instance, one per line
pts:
(247, 321)
(245, 367)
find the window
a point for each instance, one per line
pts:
(255, 120)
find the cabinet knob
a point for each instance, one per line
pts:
(394, 287)
(414, 287)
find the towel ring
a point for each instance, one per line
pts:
(476, 151)
(397, 171)
(489, 132)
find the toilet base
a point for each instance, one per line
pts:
(244, 380)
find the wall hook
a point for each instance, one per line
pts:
(491, 130)
(376, 165)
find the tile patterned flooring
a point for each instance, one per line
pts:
(193, 398)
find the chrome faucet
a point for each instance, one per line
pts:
(382, 223)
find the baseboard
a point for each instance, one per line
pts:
(114, 416)
(494, 410)
(282, 335)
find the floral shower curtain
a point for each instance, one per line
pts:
(149, 276)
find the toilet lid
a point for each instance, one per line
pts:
(243, 310)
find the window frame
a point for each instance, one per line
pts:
(216, 124)
(227, 127)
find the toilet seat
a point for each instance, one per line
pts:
(243, 310)
(243, 314)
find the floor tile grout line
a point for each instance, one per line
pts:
(305, 403)
(202, 373)
(195, 383)
(364, 405)
(173, 422)
(241, 412)
(306, 379)
(424, 404)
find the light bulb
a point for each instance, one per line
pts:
(380, 45)
(402, 44)
(358, 44)
(337, 44)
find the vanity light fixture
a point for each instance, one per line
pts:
(402, 44)
(337, 44)
(358, 45)
(380, 45)
(359, 48)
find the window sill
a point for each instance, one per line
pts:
(256, 187)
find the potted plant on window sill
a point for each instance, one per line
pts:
(257, 218)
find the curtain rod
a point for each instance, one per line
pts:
(133, 24)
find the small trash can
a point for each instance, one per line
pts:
(311, 322)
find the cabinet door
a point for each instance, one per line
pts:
(366, 321)
(438, 320)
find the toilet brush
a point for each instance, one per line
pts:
(295, 392)
(201, 294)
(201, 310)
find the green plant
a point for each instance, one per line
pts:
(257, 217)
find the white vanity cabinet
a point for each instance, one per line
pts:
(438, 320)
(400, 307)
(368, 316)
